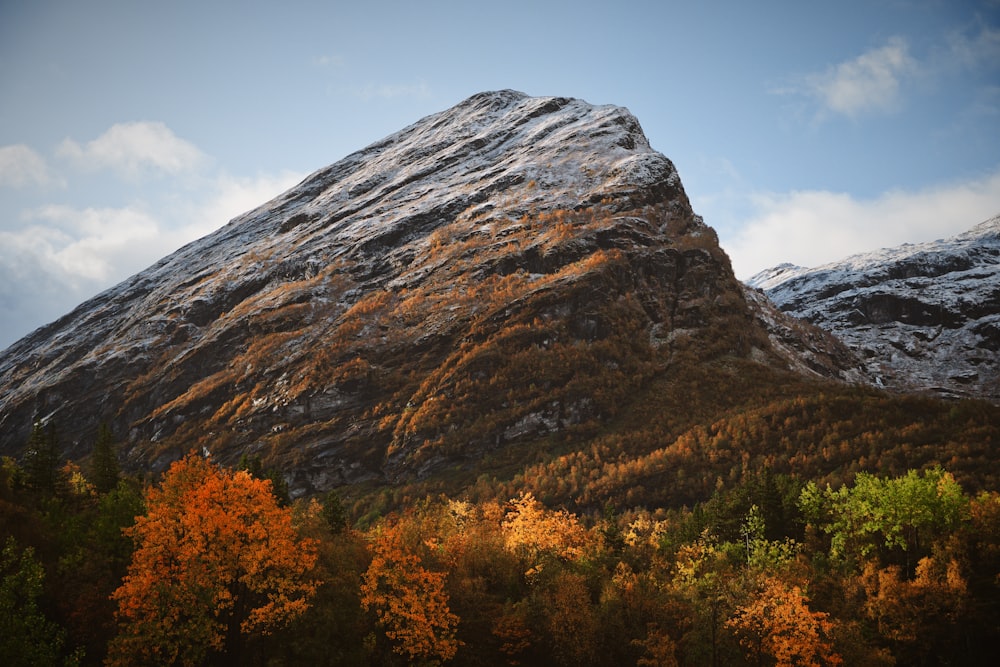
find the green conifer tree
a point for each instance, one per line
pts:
(334, 512)
(254, 465)
(104, 468)
(41, 460)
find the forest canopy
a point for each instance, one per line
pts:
(207, 565)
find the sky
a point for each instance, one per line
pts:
(803, 131)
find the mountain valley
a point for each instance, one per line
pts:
(487, 392)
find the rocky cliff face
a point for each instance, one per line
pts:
(925, 317)
(502, 271)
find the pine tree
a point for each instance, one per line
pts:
(41, 461)
(334, 512)
(105, 471)
(27, 637)
(254, 465)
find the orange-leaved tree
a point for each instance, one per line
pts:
(217, 562)
(920, 617)
(410, 599)
(778, 623)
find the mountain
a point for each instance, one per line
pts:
(492, 280)
(924, 317)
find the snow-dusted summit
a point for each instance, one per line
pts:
(924, 316)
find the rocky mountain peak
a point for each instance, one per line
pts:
(504, 271)
(924, 316)
(573, 153)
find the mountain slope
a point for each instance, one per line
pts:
(505, 270)
(924, 316)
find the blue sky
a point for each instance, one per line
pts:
(803, 131)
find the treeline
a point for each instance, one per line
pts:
(212, 565)
(736, 420)
(828, 437)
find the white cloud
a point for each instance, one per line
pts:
(106, 245)
(811, 228)
(231, 196)
(84, 245)
(226, 198)
(133, 148)
(870, 82)
(62, 257)
(20, 167)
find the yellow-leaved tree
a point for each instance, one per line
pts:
(217, 562)
(537, 534)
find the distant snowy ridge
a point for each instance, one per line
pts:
(925, 316)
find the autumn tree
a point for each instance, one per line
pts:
(217, 563)
(778, 623)
(917, 616)
(512, 626)
(981, 540)
(409, 599)
(659, 649)
(572, 624)
(539, 535)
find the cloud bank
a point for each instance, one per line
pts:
(814, 227)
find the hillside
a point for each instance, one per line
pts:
(506, 271)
